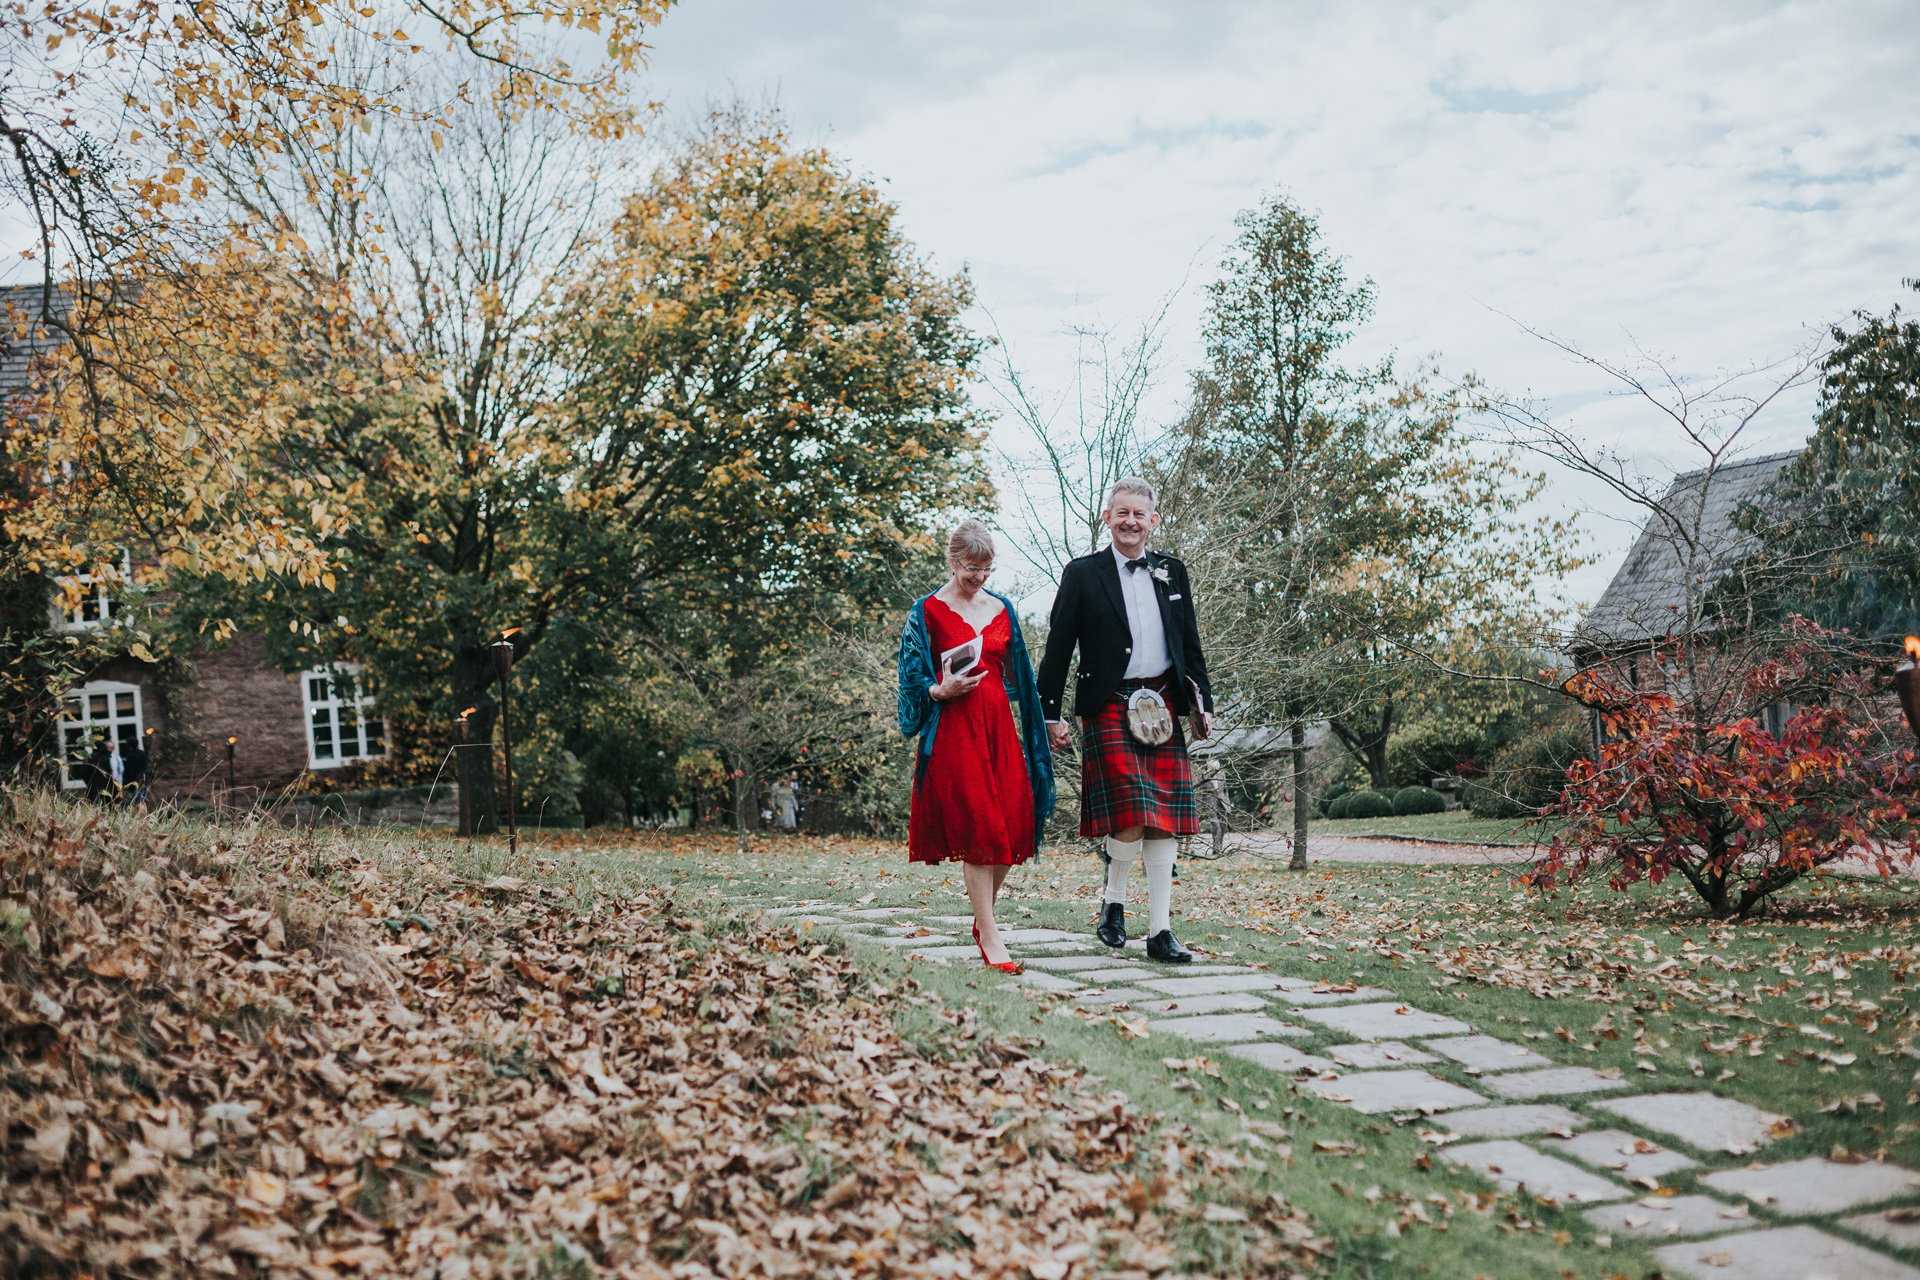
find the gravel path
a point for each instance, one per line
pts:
(1273, 844)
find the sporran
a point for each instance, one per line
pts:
(1148, 718)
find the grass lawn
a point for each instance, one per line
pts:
(1803, 1011)
(1455, 826)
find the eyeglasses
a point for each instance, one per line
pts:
(976, 570)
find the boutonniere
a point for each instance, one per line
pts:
(1159, 573)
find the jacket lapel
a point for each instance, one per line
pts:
(1108, 571)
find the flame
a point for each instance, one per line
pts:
(1913, 648)
(510, 632)
(469, 711)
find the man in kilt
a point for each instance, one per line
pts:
(1130, 613)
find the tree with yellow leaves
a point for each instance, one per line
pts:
(156, 290)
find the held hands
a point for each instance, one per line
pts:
(1057, 734)
(955, 685)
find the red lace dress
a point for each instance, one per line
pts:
(975, 803)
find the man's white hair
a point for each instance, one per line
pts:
(1133, 484)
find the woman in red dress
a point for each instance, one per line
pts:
(983, 786)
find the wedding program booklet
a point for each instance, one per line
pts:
(961, 659)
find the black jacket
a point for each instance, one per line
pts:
(1090, 612)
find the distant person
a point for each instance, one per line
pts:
(100, 765)
(786, 802)
(1130, 612)
(136, 773)
(982, 786)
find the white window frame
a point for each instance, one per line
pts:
(98, 596)
(321, 714)
(87, 725)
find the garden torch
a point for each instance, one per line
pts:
(1904, 682)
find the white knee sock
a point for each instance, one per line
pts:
(1158, 860)
(1120, 855)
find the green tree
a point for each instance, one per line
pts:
(1341, 519)
(1839, 532)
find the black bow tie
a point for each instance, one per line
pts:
(1141, 563)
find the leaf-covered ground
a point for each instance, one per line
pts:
(253, 1053)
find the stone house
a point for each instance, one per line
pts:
(1688, 546)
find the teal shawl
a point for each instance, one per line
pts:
(920, 714)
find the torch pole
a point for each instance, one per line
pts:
(230, 787)
(465, 782)
(503, 663)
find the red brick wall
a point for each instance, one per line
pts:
(234, 692)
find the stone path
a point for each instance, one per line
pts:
(1273, 844)
(1517, 1117)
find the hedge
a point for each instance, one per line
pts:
(1409, 800)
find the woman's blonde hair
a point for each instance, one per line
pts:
(970, 542)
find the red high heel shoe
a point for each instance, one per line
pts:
(1004, 966)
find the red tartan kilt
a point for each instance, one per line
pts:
(1125, 783)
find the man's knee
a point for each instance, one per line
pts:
(1129, 835)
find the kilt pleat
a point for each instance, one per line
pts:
(1126, 783)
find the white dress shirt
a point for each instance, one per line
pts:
(1150, 657)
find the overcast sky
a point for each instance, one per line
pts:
(1715, 181)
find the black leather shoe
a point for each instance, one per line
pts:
(1161, 946)
(1113, 924)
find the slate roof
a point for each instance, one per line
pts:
(20, 339)
(1647, 596)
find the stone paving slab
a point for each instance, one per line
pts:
(1111, 995)
(1513, 1164)
(1525, 1085)
(1371, 1092)
(950, 919)
(1901, 1234)
(834, 922)
(1675, 1216)
(1215, 986)
(1052, 946)
(1066, 964)
(1215, 1028)
(1209, 970)
(1039, 935)
(1622, 1152)
(1119, 975)
(1785, 1253)
(1048, 981)
(1488, 1053)
(964, 951)
(1387, 1020)
(1813, 1185)
(931, 940)
(1704, 1121)
(1511, 1122)
(1280, 1057)
(1385, 1053)
(1197, 1004)
(881, 913)
(896, 928)
(1306, 996)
